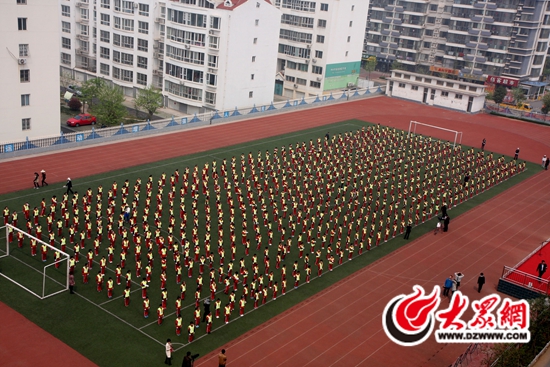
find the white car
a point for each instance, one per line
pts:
(74, 89)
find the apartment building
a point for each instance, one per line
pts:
(29, 94)
(474, 37)
(204, 55)
(320, 45)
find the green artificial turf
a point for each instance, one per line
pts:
(111, 335)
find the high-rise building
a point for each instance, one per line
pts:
(471, 37)
(203, 55)
(29, 71)
(320, 45)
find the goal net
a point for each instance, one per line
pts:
(441, 133)
(17, 264)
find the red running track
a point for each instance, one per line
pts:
(341, 326)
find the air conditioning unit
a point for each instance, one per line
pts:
(157, 72)
(155, 47)
(22, 61)
(210, 70)
(156, 54)
(211, 32)
(160, 20)
(308, 46)
(350, 85)
(136, 5)
(187, 47)
(319, 78)
(295, 85)
(314, 61)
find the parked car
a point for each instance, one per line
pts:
(82, 119)
(74, 89)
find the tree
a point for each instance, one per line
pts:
(75, 104)
(545, 103)
(91, 90)
(370, 65)
(110, 109)
(519, 96)
(499, 94)
(396, 65)
(149, 99)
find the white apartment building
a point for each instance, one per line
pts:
(29, 92)
(320, 45)
(204, 55)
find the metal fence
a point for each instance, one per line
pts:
(526, 280)
(101, 135)
(504, 110)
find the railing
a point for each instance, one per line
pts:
(511, 112)
(523, 279)
(101, 135)
(466, 356)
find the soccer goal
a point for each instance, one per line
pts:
(416, 127)
(43, 279)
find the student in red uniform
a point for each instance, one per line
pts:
(110, 287)
(146, 307)
(160, 314)
(127, 297)
(191, 331)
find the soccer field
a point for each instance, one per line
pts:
(349, 194)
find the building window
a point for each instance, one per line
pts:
(352, 7)
(84, 13)
(324, 7)
(144, 9)
(414, 87)
(320, 39)
(253, 58)
(23, 50)
(458, 96)
(143, 45)
(251, 76)
(22, 24)
(401, 85)
(104, 53)
(66, 43)
(301, 81)
(105, 36)
(289, 78)
(257, 22)
(314, 84)
(347, 52)
(66, 27)
(143, 27)
(213, 42)
(212, 61)
(210, 97)
(211, 79)
(65, 58)
(349, 38)
(65, 11)
(255, 40)
(84, 29)
(141, 79)
(105, 19)
(25, 99)
(21, 2)
(318, 54)
(215, 22)
(106, 4)
(317, 70)
(321, 23)
(142, 62)
(25, 124)
(104, 69)
(351, 23)
(444, 94)
(250, 94)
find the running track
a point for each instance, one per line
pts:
(341, 326)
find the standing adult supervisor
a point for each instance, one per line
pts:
(169, 351)
(69, 186)
(480, 282)
(35, 181)
(206, 308)
(516, 154)
(408, 231)
(541, 268)
(483, 144)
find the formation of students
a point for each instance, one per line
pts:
(241, 229)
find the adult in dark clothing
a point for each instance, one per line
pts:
(541, 268)
(480, 282)
(69, 186)
(483, 144)
(516, 155)
(546, 164)
(206, 308)
(466, 178)
(446, 221)
(36, 185)
(187, 360)
(43, 178)
(443, 210)
(327, 136)
(408, 231)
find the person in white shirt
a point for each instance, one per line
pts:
(458, 277)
